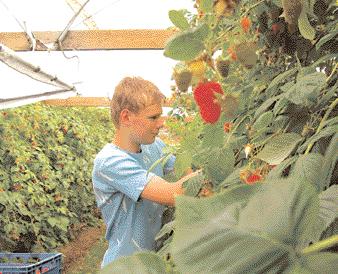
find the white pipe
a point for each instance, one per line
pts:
(9, 57)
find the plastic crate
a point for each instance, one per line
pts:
(32, 263)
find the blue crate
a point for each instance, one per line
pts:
(30, 263)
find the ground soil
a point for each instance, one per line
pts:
(76, 251)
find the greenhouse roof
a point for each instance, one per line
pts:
(92, 72)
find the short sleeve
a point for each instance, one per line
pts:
(124, 174)
(169, 165)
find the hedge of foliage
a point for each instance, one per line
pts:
(46, 157)
(263, 76)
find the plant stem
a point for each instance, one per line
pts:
(324, 244)
(235, 128)
(253, 6)
(321, 124)
(332, 73)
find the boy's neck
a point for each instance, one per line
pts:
(125, 143)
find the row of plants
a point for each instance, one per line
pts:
(46, 158)
(262, 78)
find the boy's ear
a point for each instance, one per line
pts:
(125, 117)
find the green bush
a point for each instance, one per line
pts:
(46, 157)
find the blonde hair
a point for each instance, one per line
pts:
(134, 94)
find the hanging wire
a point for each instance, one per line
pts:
(98, 11)
(13, 15)
(23, 26)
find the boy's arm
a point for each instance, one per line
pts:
(160, 191)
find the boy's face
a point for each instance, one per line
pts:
(147, 123)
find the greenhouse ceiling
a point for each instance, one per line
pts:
(92, 72)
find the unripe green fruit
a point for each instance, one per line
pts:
(222, 67)
(183, 80)
(292, 10)
(246, 54)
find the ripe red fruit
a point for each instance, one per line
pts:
(205, 99)
(275, 28)
(227, 126)
(253, 178)
(232, 53)
(245, 23)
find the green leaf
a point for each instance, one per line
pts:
(183, 47)
(325, 132)
(191, 211)
(263, 121)
(286, 210)
(232, 178)
(330, 159)
(206, 5)
(220, 163)
(263, 229)
(178, 19)
(182, 163)
(193, 185)
(201, 31)
(306, 90)
(328, 201)
(305, 28)
(186, 45)
(326, 38)
(167, 228)
(217, 249)
(52, 221)
(280, 78)
(279, 148)
(323, 262)
(213, 136)
(308, 168)
(140, 263)
(266, 104)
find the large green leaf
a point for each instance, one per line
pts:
(280, 78)
(186, 45)
(214, 248)
(258, 238)
(286, 210)
(326, 38)
(328, 201)
(308, 168)
(306, 90)
(323, 262)
(193, 185)
(206, 5)
(266, 104)
(278, 148)
(219, 165)
(213, 136)
(277, 172)
(178, 19)
(183, 47)
(182, 163)
(330, 159)
(305, 28)
(140, 263)
(263, 121)
(325, 132)
(191, 211)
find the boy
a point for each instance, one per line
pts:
(131, 199)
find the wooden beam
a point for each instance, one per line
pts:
(79, 101)
(90, 39)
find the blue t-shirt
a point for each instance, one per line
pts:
(119, 178)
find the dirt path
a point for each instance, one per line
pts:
(84, 252)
